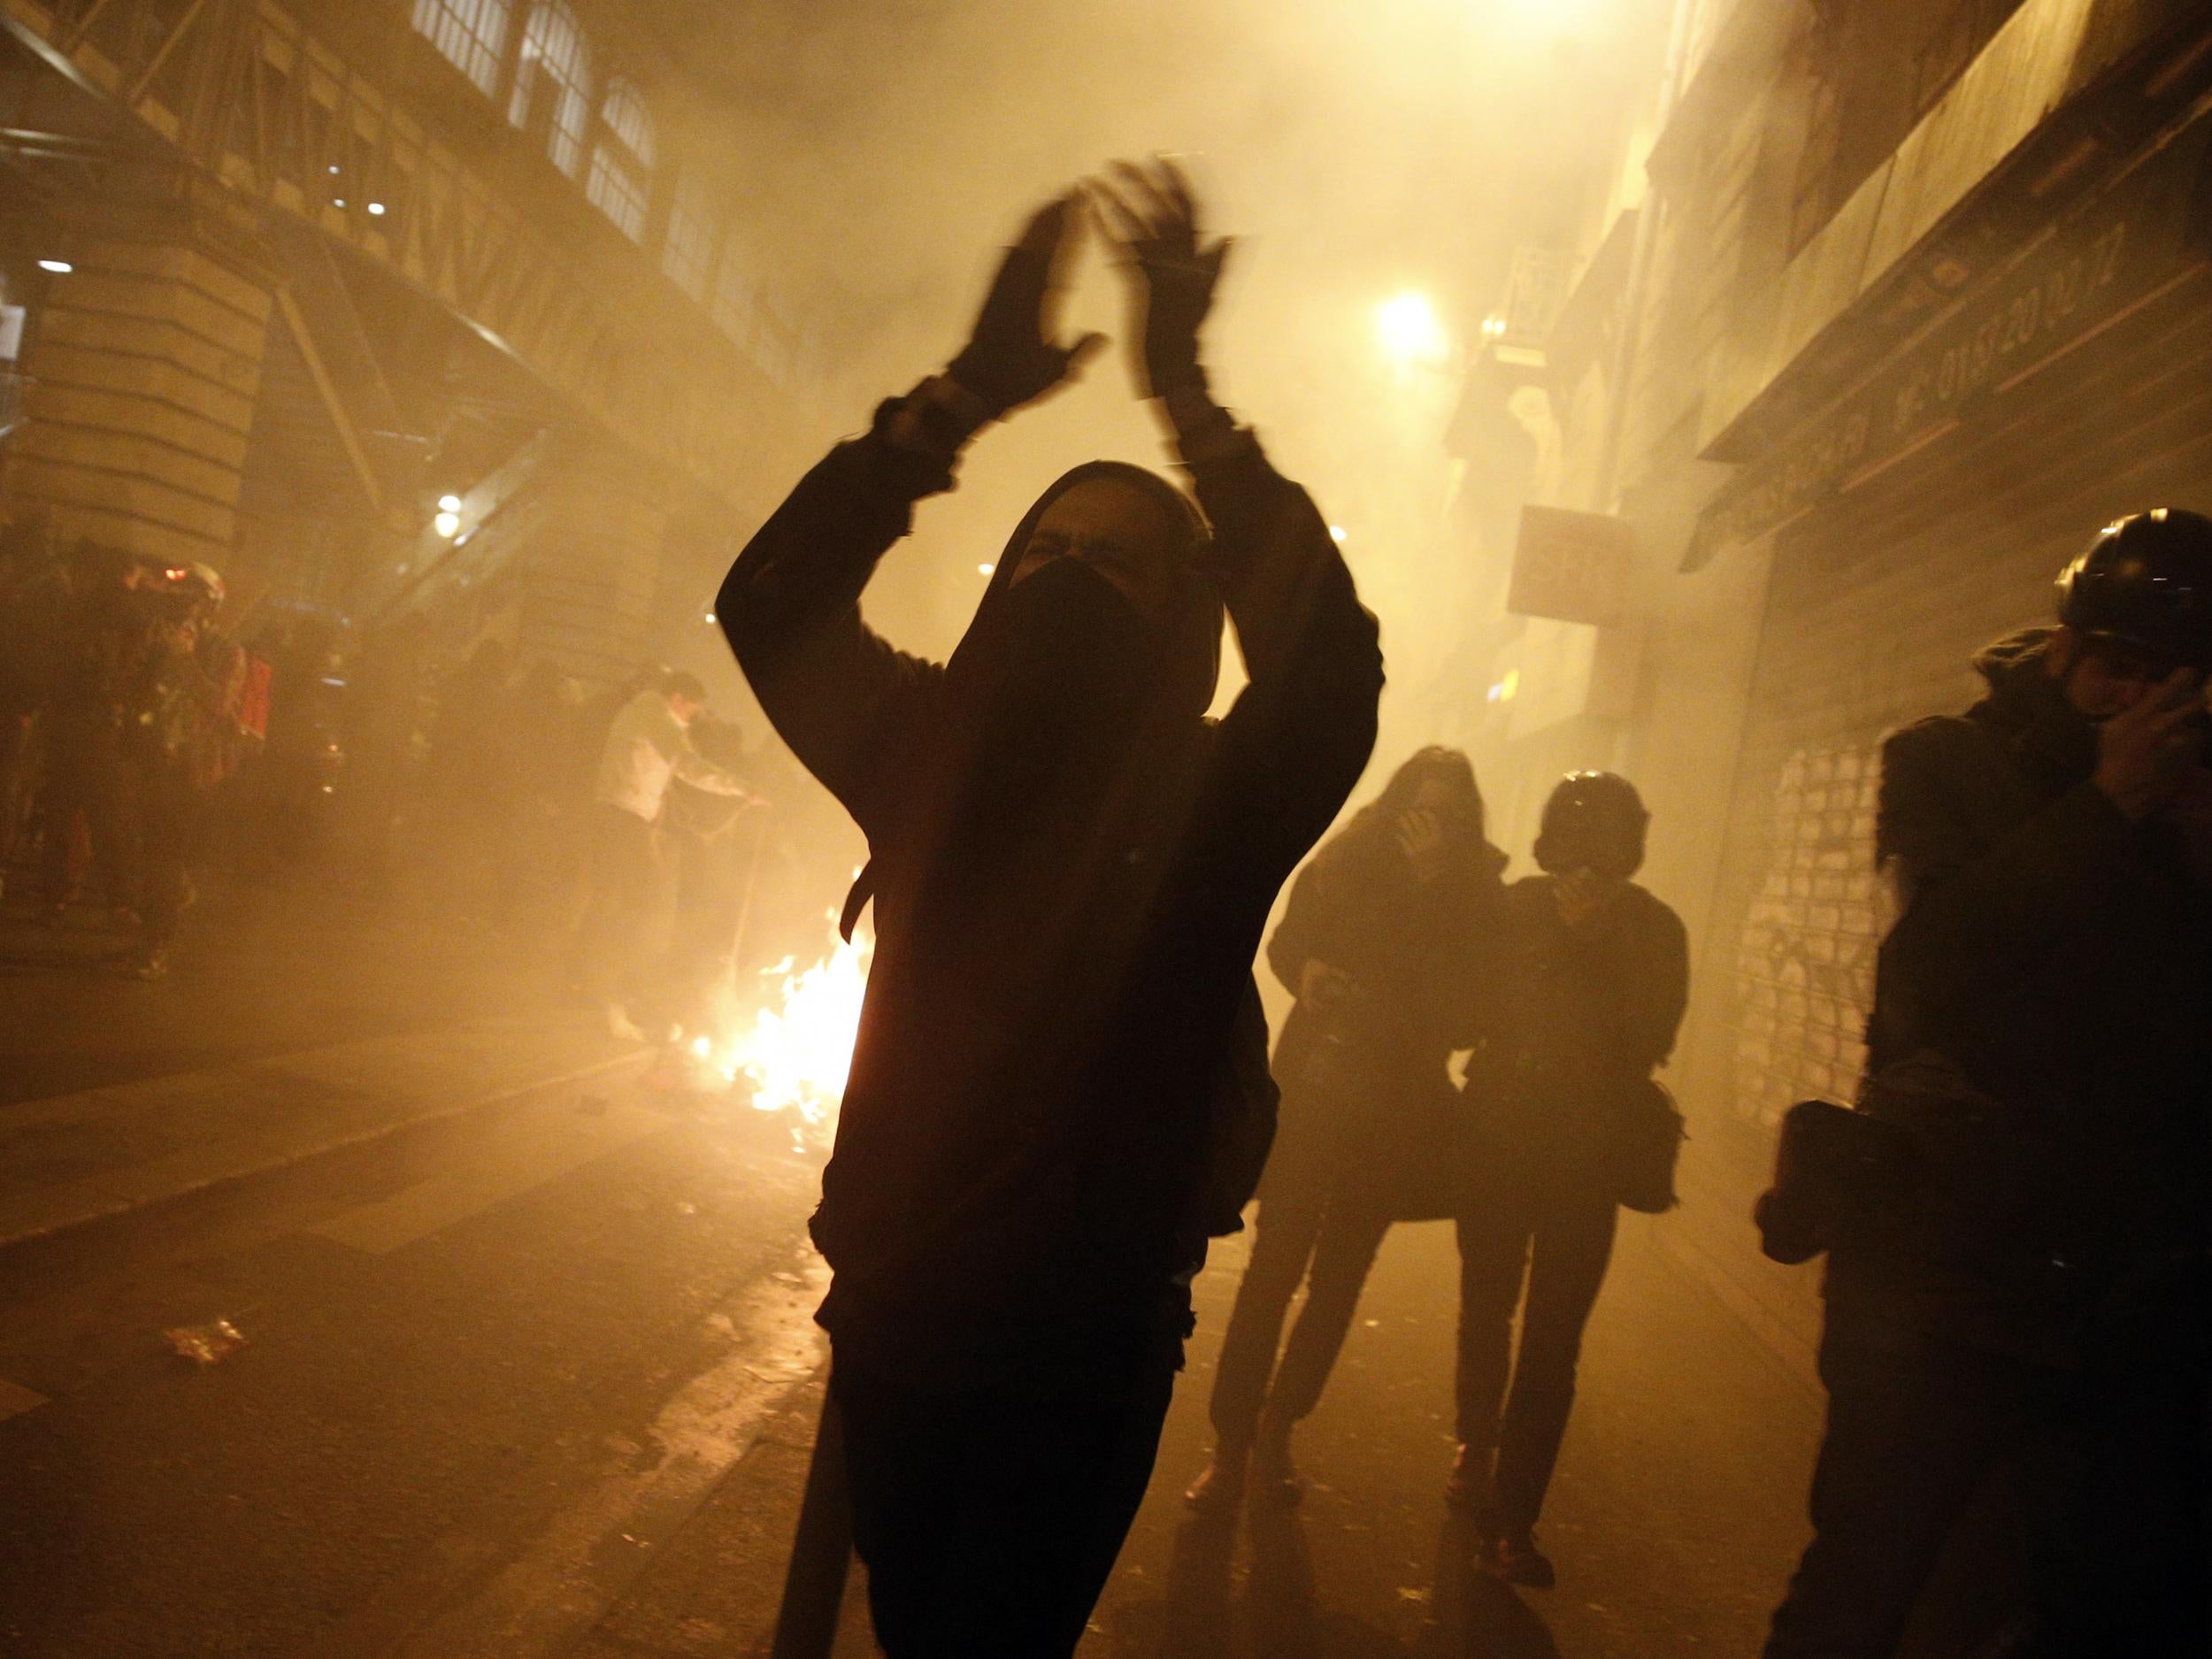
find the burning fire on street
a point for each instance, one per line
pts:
(793, 1054)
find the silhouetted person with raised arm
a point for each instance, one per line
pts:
(1380, 944)
(1070, 869)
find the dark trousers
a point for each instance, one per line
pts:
(1291, 1235)
(169, 843)
(610, 943)
(1560, 1245)
(1916, 1425)
(86, 772)
(989, 1521)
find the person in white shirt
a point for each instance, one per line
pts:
(648, 744)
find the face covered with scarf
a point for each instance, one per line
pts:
(1086, 673)
(1098, 627)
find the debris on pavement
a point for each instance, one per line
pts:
(209, 1344)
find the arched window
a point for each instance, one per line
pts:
(554, 52)
(621, 180)
(472, 34)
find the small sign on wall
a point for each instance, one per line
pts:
(1572, 566)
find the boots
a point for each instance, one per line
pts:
(1263, 1464)
(1514, 1557)
(1219, 1488)
(1277, 1478)
(1469, 1488)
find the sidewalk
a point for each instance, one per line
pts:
(263, 968)
(78, 1158)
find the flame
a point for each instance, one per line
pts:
(798, 1050)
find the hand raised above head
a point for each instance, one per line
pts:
(1153, 216)
(1013, 356)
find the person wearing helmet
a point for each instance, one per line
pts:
(2034, 1280)
(1592, 980)
(1381, 944)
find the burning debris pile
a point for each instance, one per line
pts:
(793, 1052)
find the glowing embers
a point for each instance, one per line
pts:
(795, 1053)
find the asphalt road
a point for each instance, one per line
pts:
(539, 1380)
(477, 1359)
(262, 967)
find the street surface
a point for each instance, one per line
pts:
(532, 1373)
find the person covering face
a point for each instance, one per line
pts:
(1071, 868)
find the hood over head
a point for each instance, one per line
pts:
(1186, 636)
(1059, 698)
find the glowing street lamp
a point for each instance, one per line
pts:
(447, 525)
(1411, 333)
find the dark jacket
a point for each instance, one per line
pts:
(1369, 1113)
(1023, 1134)
(2042, 1024)
(1577, 1018)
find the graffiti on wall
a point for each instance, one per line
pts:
(1805, 966)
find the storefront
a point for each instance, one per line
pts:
(1921, 515)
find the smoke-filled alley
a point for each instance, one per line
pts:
(1160, 831)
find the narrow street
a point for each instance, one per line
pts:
(528, 1369)
(546, 1410)
(1675, 1519)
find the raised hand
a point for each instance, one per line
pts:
(1153, 216)
(1013, 357)
(2145, 753)
(1421, 835)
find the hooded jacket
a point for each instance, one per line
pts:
(2042, 1023)
(1370, 1116)
(1068, 900)
(1579, 1019)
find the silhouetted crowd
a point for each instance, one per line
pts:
(1060, 1092)
(123, 709)
(143, 746)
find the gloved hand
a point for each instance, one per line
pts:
(1154, 217)
(1011, 359)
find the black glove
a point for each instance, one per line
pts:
(1155, 219)
(1010, 360)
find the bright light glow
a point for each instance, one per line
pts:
(60, 267)
(710, 616)
(985, 570)
(449, 504)
(1336, 534)
(447, 525)
(340, 202)
(1512, 683)
(797, 1051)
(1410, 331)
(376, 209)
(1493, 328)
(702, 1046)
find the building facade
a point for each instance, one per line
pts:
(375, 304)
